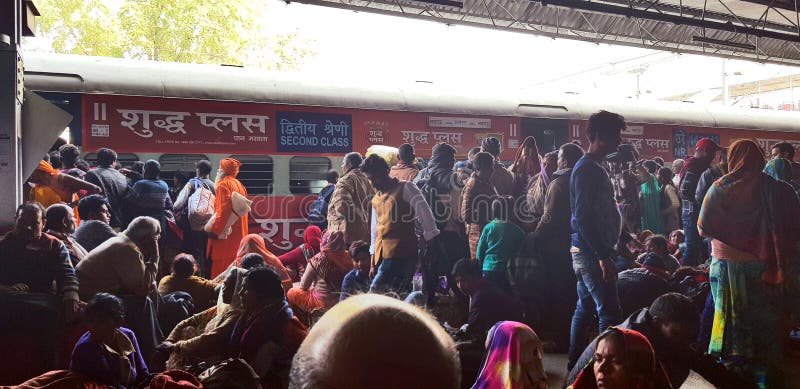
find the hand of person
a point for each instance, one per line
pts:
(150, 250)
(609, 269)
(20, 287)
(373, 270)
(72, 309)
(165, 347)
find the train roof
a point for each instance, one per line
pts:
(101, 75)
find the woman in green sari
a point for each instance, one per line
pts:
(651, 199)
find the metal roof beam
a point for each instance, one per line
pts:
(664, 17)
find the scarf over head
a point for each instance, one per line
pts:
(751, 212)
(230, 166)
(779, 169)
(333, 261)
(640, 361)
(313, 237)
(527, 161)
(254, 244)
(46, 168)
(513, 359)
(333, 241)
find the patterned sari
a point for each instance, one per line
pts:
(513, 359)
(753, 217)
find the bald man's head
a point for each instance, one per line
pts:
(373, 341)
(60, 218)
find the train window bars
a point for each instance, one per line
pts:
(256, 173)
(307, 174)
(173, 163)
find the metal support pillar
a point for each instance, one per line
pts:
(11, 13)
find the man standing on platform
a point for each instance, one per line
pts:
(224, 244)
(596, 224)
(349, 207)
(397, 208)
(704, 153)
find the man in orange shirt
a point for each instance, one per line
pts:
(222, 248)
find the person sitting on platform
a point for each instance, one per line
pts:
(267, 334)
(624, 359)
(670, 324)
(297, 259)
(95, 214)
(357, 280)
(109, 353)
(362, 342)
(322, 281)
(513, 358)
(205, 335)
(657, 245)
(488, 304)
(183, 279)
(32, 261)
(126, 266)
(60, 223)
(255, 244)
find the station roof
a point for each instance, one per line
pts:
(758, 30)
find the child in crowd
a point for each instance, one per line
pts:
(182, 279)
(108, 353)
(677, 243)
(357, 280)
(657, 246)
(499, 241)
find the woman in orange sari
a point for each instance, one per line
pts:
(322, 281)
(223, 251)
(254, 244)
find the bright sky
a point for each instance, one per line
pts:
(366, 46)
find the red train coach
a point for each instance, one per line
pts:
(289, 130)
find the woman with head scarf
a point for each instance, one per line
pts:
(254, 244)
(322, 281)
(297, 259)
(513, 359)
(650, 195)
(203, 336)
(752, 221)
(624, 360)
(527, 164)
(538, 188)
(221, 250)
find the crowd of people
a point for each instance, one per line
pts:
(456, 274)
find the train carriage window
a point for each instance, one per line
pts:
(256, 173)
(172, 163)
(125, 159)
(307, 174)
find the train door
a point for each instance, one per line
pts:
(550, 134)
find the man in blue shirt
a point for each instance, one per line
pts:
(595, 226)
